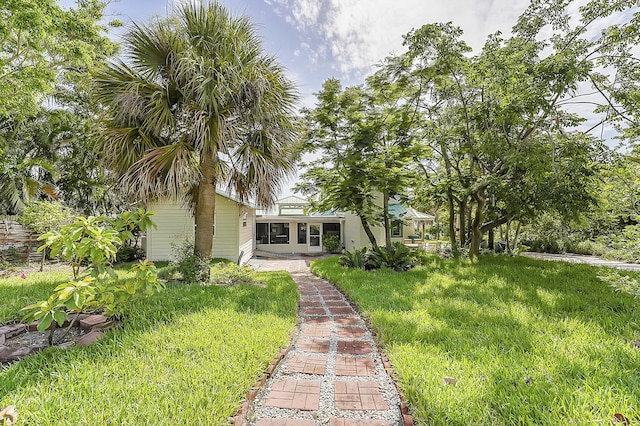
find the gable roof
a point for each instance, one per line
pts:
(405, 212)
(234, 197)
(292, 199)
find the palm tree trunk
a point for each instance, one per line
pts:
(205, 208)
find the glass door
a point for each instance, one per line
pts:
(315, 242)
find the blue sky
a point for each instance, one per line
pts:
(319, 39)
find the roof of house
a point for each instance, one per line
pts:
(293, 206)
(292, 199)
(402, 211)
(234, 197)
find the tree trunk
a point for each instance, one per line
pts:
(468, 231)
(205, 209)
(367, 230)
(491, 243)
(452, 223)
(462, 214)
(387, 224)
(515, 238)
(476, 231)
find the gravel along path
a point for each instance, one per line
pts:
(333, 374)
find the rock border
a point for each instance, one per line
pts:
(93, 325)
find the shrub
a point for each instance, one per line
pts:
(92, 241)
(128, 253)
(188, 267)
(224, 273)
(331, 243)
(399, 258)
(45, 216)
(353, 260)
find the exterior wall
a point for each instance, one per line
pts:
(247, 236)
(227, 224)
(174, 225)
(293, 246)
(354, 235)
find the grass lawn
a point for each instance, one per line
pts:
(529, 342)
(184, 356)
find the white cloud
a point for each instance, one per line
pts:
(360, 33)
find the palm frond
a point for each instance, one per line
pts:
(166, 171)
(198, 84)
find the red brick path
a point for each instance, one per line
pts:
(332, 373)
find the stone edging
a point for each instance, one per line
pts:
(94, 325)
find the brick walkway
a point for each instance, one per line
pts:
(332, 374)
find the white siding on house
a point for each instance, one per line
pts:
(174, 224)
(247, 234)
(225, 240)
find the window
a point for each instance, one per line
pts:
(244, 219)
(396, 228)
(302, 233)
(279, 233)
(262, 233)
(272, 233)
(331, 229)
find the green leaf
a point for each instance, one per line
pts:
(60, 317)
(45, 322)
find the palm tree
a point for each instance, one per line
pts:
(195, 104)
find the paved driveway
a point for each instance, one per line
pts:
(579, 258)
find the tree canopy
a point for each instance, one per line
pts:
(498, 140)
(46, 148)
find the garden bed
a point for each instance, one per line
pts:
(20, 340)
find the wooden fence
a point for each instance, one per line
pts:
(17, 243)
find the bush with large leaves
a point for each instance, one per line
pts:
(94, 242)
(399, 258)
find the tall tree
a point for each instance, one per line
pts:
(47, 52)
(365, 140)
(340, 180)
(196, 103)
(501, 124)
(43, 46)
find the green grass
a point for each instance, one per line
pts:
(16, 292)
(492, 323)
(184, 356)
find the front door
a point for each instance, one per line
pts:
(315, 242)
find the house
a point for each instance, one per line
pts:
(240, 230)
(290, 227)
(234, 227)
